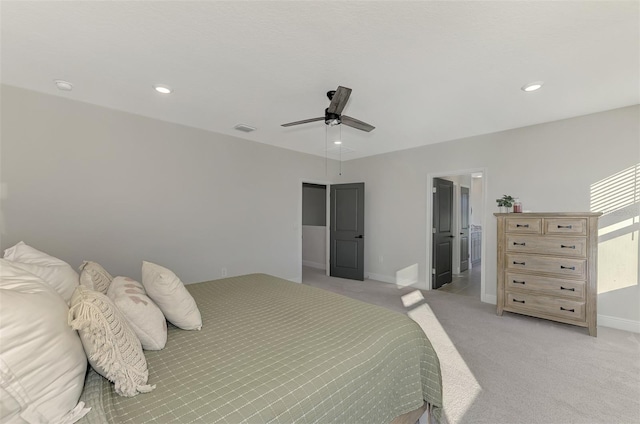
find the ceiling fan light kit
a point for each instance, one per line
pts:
(331, 119)
(333, 114)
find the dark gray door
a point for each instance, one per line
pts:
(464, 228)
(347, 231)
(442, 232)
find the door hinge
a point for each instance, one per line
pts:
(433, 230)
(433, 271)
(434, 189)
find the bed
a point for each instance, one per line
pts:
(275, 351)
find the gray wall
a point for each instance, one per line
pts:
(550, 167)
(314, 205)
(86, 182)
(475, 200)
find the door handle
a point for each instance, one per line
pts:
(451, 236)
(359, 236)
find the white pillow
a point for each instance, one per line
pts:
(93, 276)
(22, 252)
(113, 349)
(42, 362)
(144, 316)
(57, 273)
(169, 293)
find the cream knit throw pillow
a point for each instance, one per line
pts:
(94, 276)
(112, 348)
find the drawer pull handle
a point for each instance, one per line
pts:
(519, 301)
(519, 244)
(565, 226)
(518, 282)
(562, 246)
(518, 263)
(522, 225)
(564, 288)
(569, 310)
(572, 268)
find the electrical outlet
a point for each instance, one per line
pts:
(223, 272)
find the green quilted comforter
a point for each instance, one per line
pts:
(273, 351)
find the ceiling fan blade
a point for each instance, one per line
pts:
(354, 123)
(304, 121)
(339, 100)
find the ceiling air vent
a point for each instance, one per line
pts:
(244, 128)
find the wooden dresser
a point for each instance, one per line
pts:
(547, 266)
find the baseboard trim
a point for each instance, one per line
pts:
(316, 265)
(420, 285)
(489, 298)
(381, 277)
(619, 323)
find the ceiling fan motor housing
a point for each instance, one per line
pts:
(331, 118)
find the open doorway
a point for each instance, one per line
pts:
(332, 230)
(455, 220)
(314, 228)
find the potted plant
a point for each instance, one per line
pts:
(505, 202)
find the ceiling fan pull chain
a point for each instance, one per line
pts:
(326, 151)
(340, 149)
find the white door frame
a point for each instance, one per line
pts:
(299, 223)
(460, 223)
(429, 222)
(455, 229)
(456, 224)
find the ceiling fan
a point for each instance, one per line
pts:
(333, 114)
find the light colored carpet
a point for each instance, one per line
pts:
(514, 369)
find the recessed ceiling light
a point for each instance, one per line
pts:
(162, 89)
(63, 85)
(337, 150)
(337, 142)
(532, 86)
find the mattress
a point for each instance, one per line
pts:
(273, 351)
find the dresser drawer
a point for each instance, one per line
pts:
(574, 289)
(527, 303)
(524, 225)
(576, 226)
(568, 267)
(563, 246)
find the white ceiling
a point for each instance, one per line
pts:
(421, 72)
